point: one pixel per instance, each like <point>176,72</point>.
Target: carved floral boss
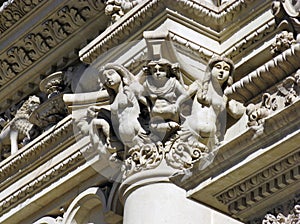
<point>155,116</point>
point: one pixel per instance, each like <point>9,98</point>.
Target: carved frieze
<point>13,11</point>
<point>286,93</point>
<point>261,185</point>
<point>49,34</point>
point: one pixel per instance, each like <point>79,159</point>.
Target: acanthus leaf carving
<point>53,32</point>
<point>36,45</point>
<point>6,72</point>
<point>13,11</point>
<point>19,58</point>
<point>257,113</point>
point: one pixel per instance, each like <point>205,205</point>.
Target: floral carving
<point>283,41</point>
<point>292,218</point>
<point>290,88</point>
<point>256,114</point>
<point>181,155</point>
<point>13,11</point>
<point>36,45</point>
<point>143,157</point>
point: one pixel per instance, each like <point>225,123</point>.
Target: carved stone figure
<point>283,41</point>
<point>257,114</point>
<point>124,109</point>
<point>19,128</point>
<point>164,91</point>
<point>204,126</point>
<point>117,8</point>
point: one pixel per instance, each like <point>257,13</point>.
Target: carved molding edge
<point>13,11</point>
<point>33,151</point>
<point>266,75</point>
<point>225,15</point>
<point>261,185</point>
<point>63,168</point>
<point>125,25</point>
<point>67,20</point>
<point>250,40</point>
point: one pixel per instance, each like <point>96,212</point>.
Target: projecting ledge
<point>252,172</point>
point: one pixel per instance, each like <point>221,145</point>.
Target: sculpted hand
<point>92,111</point>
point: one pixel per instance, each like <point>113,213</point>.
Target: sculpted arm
<point>186,94</point>
<point>235,108</point>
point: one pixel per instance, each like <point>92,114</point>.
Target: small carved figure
<point>19,128</point>
<point>204,126</point>
<point>117,8</point>
<point>257,115</point>
<point>124,108</point>
<point>163,91</point>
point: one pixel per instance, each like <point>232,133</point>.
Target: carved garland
<point>35,45</point>
<point>262,185</point>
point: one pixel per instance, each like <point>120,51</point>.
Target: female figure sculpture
<point>124,107</point>
<point>203,128</point>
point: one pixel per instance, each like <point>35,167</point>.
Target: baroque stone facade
<point>149,111</point>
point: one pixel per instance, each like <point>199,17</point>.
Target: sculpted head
<point>221,69</point>
<point>162,69</point>
<point>113,75</point>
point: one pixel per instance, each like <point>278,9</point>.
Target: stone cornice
<point>46,38</point>
<point>14,11</point>
<point>40,182</point>
<point>260,186</point>
<point>36,152</point>
<point>266,176</point>
<point>136,17</point>
<point>266,75</point>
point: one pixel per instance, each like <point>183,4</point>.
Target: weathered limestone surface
<point>149,111</point>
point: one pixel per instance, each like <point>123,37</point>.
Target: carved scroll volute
<point>287,15</point>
